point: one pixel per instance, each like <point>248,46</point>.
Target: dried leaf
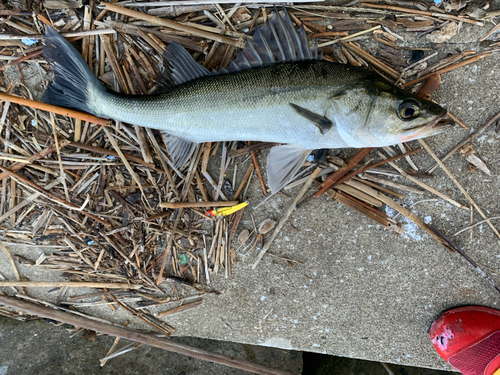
<point>444,34</point>
<point>242,15</point>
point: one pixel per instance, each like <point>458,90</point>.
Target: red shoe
<point>469,339</point>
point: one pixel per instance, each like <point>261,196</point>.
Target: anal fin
<point>283,163</point>
<point>180,149</point>
<point>323,123</point>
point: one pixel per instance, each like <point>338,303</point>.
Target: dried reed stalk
<point>335,176</point>
<point>420,12</point>
<point>349,36</point>
<point>447,69</point>
<point>464,192</point>
<point>403,211</point>
<point>173,25</point>
<point>55,109</point>
<point>69,284</point>
<point>469,138</point>
<point>423,185</point>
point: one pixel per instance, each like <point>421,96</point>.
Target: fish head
<point>377,114</point>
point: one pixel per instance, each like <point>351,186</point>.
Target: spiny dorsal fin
<point>182,66</point>
<point>276,41</point>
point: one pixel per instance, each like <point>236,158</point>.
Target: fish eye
<point>408,110</point>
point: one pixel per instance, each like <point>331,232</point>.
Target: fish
<point>278,89</point>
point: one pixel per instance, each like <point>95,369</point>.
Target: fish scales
<point>248,105</point>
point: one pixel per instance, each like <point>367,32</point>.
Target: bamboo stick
<point>12,263</point>
<point>390,183</point>
<point>371,60</point>
<point>469,138</point>
<point>21,59</point>
<point>374,165</point>
<point>209,2</point>
<point>66,35</point>
<point>245,178</point>
<point>403,211</point>
<point>458,121</point>
<point>356,205</point>
<point>377,187</point>
<point>328,34</point>
<point>257,169</point>
<point>104,151</point>
<point>87,20</point>
<point>179,309</point>
<point>113,61</point>
<point>358,195</point>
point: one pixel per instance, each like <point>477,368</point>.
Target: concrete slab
<point>363,292</point>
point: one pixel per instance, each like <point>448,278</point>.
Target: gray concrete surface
<point>363,292</point>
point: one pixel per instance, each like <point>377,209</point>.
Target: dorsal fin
<point>182,66</point>
<point>276,41</point>
<point>304,44</point>
<point>284,37</point>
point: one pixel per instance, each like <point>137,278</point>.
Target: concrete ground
<point>362,292</point>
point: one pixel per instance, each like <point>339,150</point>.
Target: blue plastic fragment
<point>29,42</point>
<point>182,258</point>
<point>310,158</point>
<point>111,157</point>
<point>91,242</point>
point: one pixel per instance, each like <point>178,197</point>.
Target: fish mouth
<point>436,126</point>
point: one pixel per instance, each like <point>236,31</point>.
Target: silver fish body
<point>255,105</point>
<point>249,105</point>
<point>276,90</point>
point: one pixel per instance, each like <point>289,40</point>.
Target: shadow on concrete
<point>321,364</point>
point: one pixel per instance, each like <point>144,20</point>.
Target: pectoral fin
<point>283,163</point>
<point>321,122</point>
<point>180,149</point>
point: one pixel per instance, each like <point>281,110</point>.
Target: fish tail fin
<point>74,85</point>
